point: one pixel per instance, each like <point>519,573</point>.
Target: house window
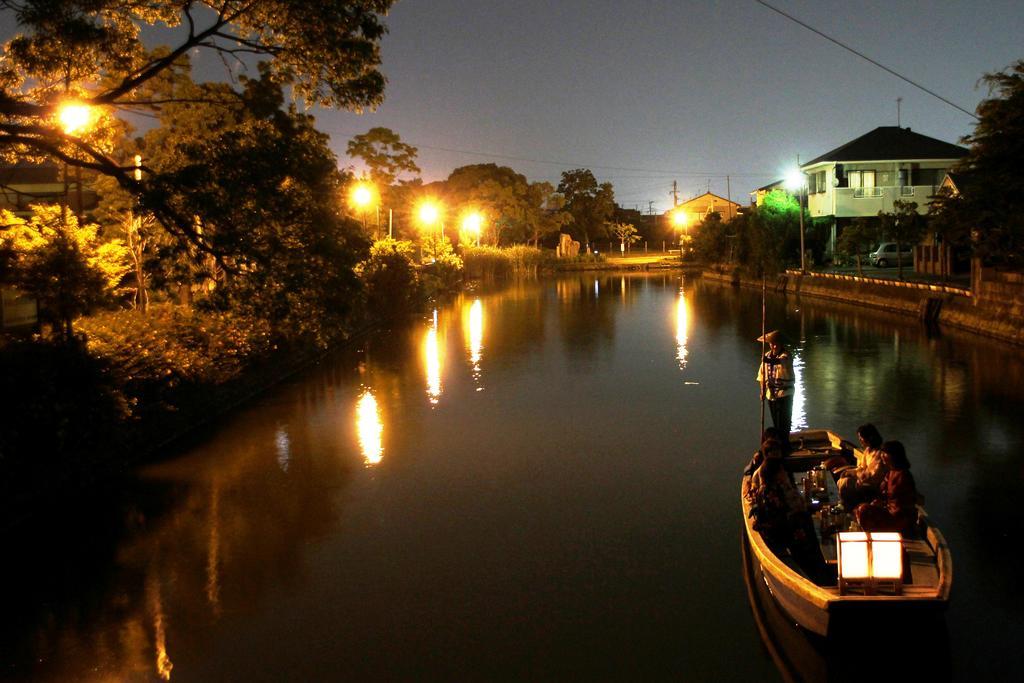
<point>862,178</point>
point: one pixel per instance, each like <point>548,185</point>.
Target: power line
<point>866,58</point>
<point>568,164</point>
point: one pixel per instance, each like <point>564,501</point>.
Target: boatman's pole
<point>764,375</point>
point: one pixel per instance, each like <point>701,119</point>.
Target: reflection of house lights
<point>369,428</point>
<point>284,450</point>
<point>682,322</point>
<point>476,335</point>
<point>596,291</point>
<point>799,414</point>
<point>433,359</point>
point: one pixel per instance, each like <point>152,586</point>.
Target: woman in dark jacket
<point>896,508</point>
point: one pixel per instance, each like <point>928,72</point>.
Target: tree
<point>384,154</point>
<point>903,225</point>
<point>499,192</point>
<point>64,265</point>
<point>544,212</point>
<point>626,233</point>
<point>590,205</point>
<point>327,50</point>
<point>857,238</point>
<point>266,191</point>
<point>989,210</point>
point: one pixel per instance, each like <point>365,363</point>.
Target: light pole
<point>679,220</point>
<point>473,223</point>
<point>430,213</point>
<point>73,117</point>
<point>361,197</point>
<point>796,180</point>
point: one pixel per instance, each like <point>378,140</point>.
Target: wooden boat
<point>814,606</point>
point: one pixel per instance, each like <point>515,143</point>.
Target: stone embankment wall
<point>994,306</point>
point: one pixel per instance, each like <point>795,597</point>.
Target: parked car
<point>886,255</point>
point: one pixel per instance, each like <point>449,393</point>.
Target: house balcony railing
<point>868,201</point>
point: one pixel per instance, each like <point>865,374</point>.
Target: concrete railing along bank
<point>993,307</point>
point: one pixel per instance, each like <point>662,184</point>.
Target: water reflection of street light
<point>797,181</point>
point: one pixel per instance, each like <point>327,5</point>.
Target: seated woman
<point>769,434</point>
<point>780,513</point>
<point>896,507</point>
<point>862,482</point>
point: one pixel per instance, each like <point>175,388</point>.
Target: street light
<point>74,116</point>
<point>797,181</point>
<point>472,223</point>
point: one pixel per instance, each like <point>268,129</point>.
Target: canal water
<point>536,482</point>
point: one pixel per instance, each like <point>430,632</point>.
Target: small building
<point>867,174</point>
<point>698,208</point>
<point>757,197</point>
<point>24,184</point>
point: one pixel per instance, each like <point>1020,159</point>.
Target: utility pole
<point>675,195</point>
<point>728,194</point>
<point>650,207</point>
<point>899,101</point>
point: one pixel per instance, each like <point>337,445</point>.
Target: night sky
<point>645,92</point>
<point>677,90</point>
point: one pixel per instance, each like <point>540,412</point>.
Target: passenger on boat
<point>769,434</point>
<point>862,482</point>
<point>777,380</point>
<point>895,509</point>
<point>781,516</point>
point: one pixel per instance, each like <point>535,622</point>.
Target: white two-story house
<point>868,174</point>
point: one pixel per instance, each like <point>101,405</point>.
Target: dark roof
<point>29,174</point>
<point>776,184</point>
<point>891,142</point>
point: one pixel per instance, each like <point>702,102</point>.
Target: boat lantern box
<point>869,559</point>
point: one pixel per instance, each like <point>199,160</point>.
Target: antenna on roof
<point>899,100</point>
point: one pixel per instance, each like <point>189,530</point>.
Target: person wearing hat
<point>777,383</point>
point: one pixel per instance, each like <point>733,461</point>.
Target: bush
<point>443,274</point>
<point>390,281</point>
<point>492,263</point>
<point>486,263</point>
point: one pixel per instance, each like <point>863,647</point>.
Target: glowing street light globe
<point>73,117</point>
<point>795,179</point>
<point>679,218</point>
<point>472,223</point>
<point>429,213</point>
<point>362,195</point>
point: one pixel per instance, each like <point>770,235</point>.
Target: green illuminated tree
<point>64,265</point>
<point>626,233</point>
